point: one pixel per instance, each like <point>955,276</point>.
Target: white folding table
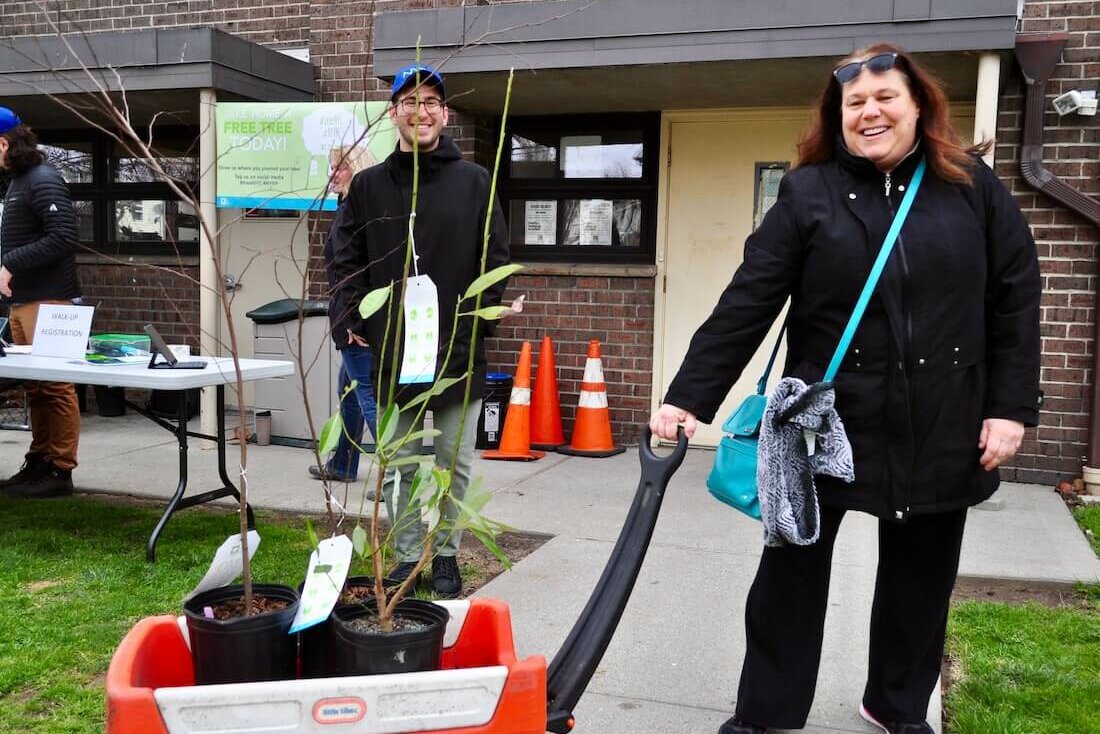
<point>218,373</point>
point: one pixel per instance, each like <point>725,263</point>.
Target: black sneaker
<point>733,726</point>
<point>323,472</point>
<point>50,481</point>
<point>895,727</point>
<point>33,464</point>
<point>446,580</point>
<point>397,576</point>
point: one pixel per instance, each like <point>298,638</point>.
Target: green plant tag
<point>328,568</point>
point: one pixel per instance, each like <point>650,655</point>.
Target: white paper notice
<point>540,223</point>
<point>62,331</point>
<point>421,331</point>
<point>328,567</point>
<point>595,221</point>
<point>227,565</point>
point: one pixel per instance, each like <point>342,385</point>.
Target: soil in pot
<point>233,648</point>
<point>416,644</point>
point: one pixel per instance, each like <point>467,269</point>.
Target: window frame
<point>103,191</point>
<point>559,189</point>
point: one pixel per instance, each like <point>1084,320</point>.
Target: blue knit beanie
<point>8,120</point>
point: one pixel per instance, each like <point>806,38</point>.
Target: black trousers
<point>785,621</point>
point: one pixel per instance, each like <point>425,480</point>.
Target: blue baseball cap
<point>8,120</point>
<point>407,77</point>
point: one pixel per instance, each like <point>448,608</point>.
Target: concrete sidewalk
<point>674,662</point>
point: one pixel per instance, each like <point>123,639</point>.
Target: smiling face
<point>341,175</point>
<point>879,117</point>
<point>423,123</point>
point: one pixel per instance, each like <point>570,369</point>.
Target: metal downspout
<point>1038,54</point>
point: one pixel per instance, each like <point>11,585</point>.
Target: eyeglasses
<point>877,64</point>
<point>411,104</point>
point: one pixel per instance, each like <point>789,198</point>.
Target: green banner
<point>274,155</point>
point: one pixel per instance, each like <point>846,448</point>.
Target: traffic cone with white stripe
<point>592,427</point>
<point>515,440</point>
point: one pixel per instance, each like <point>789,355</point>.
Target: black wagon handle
<point>572,668</point>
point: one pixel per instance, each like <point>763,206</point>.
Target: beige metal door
<point>710,187</point>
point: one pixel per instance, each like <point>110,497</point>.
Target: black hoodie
<point>369,238</point>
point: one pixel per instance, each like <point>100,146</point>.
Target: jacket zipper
<point>887,186</point>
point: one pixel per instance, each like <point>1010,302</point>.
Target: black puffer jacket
<point>951,336</point>
<point>369,239</point>
<point>38,237</point>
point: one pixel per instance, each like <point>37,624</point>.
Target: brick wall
<point>276,22</point>
<point>128,296</point>
<point>571,310</point>
<point>1067,243</point>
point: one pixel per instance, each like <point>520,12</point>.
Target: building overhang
<point>159,70</point>
<point>600,55</point>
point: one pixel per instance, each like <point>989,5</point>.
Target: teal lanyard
<point>876,271</point>
<point>868,287</point>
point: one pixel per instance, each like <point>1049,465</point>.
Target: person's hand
<point>999,441</point>
<point>354,338</point>
<point>5,281</point>
<point>668,418</point>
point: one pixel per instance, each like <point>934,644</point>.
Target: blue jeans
<point>356,410</point>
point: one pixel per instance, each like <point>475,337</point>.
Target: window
<point>582,188</point>
<point>121,206</point>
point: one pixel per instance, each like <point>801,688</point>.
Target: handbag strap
<point>876,272</point>
<point>762,383</point>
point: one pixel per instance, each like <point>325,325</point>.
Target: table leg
<point>178,501</point>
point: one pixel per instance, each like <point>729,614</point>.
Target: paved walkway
<point>674,662</point>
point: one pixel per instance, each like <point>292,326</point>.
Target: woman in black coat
<point>935,390</point>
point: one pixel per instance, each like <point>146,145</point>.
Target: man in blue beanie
<point>38,242</point>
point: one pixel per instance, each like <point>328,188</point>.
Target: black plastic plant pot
<point>317,642</point>
<point>357,652</point>
<point>242,649</point>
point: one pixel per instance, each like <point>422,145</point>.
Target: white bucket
<point>1092,479</point>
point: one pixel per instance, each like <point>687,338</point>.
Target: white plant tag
<point>421,331</point>
<point>811,441</point>
<point>227,565</point>
<point>328,567</point>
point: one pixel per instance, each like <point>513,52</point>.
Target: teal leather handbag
<point>732,479</point>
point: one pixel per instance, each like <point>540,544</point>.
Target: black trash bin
<point>494,407</point>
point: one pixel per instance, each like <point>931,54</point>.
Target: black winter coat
<point>951,336</point>
<point>369,238</point>
<point>38,237</point>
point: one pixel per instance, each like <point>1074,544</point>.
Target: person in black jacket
<point>38,241</point>
<point>371,238</point>
<point>357,408</point>
<point>940,380</point>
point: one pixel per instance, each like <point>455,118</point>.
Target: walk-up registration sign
<point>274,155</point>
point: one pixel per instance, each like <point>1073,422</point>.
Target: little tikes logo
<point>346,710</point>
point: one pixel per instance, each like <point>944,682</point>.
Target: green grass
<point>73,580</point>
<point>1089,519</point>
<point>1026,668</point>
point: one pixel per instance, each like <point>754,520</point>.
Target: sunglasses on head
<point>878,64</point>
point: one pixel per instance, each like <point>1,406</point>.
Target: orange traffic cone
<point>546,431</point>
<point>592,427</point>
<point>515,441</point>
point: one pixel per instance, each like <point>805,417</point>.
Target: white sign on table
<point>62,331</point>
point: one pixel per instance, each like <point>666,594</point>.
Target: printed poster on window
<point>595,218</point>
<point>540,223</point>
<point>276,155</point>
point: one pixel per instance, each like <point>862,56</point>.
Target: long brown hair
<point>948,158</point>
<point>23,153</point>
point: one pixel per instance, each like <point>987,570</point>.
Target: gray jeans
<point>405,519</point>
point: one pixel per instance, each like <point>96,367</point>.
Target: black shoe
<point>446,580</point>
<point>50,481</point>
<point>894,727</point>
<point>733,726</point>
<point>401,572</point>
<point>33,465</point>
<point>318,472</point>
